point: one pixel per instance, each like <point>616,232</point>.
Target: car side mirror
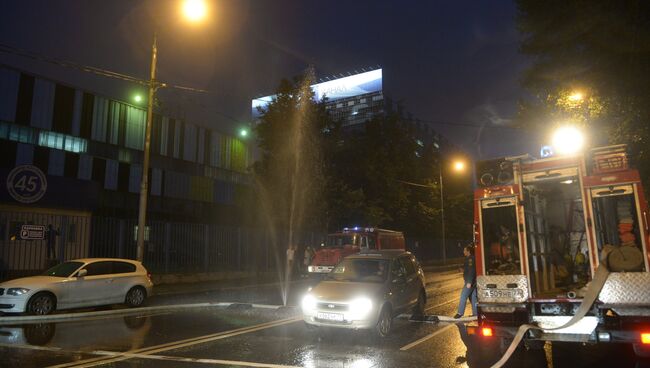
<point>82,273</point>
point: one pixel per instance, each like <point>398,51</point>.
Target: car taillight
<point>645,338</point>
<point>149,275</point>
<point>486,331</point>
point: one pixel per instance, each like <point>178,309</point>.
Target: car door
<point>411,288</point>
<point>95,288</point>
<point>123,278</point>
<point>398,284</point>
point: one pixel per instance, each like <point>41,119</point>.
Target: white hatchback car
<point>78,283</point>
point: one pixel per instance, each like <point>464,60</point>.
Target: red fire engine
<point>542,228</point>
<point>351,241</point>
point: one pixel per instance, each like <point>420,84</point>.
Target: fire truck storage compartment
<point>556,237</point>
<point>500,239</point>
<point>616,223</point>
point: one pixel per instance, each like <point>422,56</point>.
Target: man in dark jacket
<point>469,285</point>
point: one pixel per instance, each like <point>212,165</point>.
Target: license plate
<point>330,316</point>
<point>503,293</point>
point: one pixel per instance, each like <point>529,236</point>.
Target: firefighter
<point>469,285</point>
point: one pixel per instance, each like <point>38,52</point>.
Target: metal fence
<point>169,247</point>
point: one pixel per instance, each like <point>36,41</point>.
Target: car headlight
<point>17,291</point>
<point>308,303</point>
<point>360,307</point>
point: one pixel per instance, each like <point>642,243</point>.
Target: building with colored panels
<point>90,148</point>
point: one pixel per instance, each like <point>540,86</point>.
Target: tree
<point>590,66</point>
<point>290,174</point>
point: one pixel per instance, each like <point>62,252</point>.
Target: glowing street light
<point>567,140</point>
<point>137,98</point>
<point>243,133</point>
<point>194,10</point>
<point>459,166</point>
<point>576,96</point>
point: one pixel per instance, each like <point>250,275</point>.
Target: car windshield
<point>64,269</point>
<point>341,240</point>
<point>360,270</point>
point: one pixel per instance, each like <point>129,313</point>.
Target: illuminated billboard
<point>336,89</point>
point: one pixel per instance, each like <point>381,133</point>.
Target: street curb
<point>131,311</point>
<point>227,288</point>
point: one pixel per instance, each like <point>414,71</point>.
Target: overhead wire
<point>90,69</point>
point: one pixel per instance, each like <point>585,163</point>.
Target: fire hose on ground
<point>591,294</point>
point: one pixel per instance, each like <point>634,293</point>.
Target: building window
<point>25,98</point>
<point>71,166</point>
<point>61,141</point>
<point>63,109</point>
<point>99,169</point>
<point>123,172</point>
<point>41,158</point>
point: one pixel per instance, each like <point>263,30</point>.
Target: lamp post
<point>457,166</point>
<point>194,10</point>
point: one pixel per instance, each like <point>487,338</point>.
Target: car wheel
<point>420,305</point>
<point>384,323</point>
<point>41,304</point>
<point>135,297</point>
<point>641,351</point>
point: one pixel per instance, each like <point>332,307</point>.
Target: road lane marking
<point>441,304</point>
<point>427,337</point>
<point>177,344</point>
<point>200,360</point>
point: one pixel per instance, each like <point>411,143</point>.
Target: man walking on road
<point>469,285</point>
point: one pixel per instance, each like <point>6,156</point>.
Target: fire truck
<point>542,227</point>
<point>350,241</point>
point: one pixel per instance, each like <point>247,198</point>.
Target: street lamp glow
<point>137,98</point>
<point>576,96</point>
<point>243,133</point>
<point>194,10</point>
<point>567,140</point>
<point>459,166</point>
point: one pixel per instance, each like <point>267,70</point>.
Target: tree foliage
<point>599,49</point>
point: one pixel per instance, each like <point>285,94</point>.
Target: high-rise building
<point>355,99</point>
<point>352,100</point>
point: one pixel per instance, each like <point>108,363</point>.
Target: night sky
<point>454,62</point>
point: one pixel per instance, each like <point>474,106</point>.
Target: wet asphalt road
<point>234,337</point>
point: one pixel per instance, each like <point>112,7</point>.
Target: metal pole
<point>144,184</point>
<point>442,219</point>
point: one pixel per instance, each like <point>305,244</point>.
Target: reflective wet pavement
<point>230,337</point>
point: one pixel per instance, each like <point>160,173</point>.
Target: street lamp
<point>567,140</point>
<point>194,10</point>
<point>458,166</point>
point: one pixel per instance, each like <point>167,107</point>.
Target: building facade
<point>90,151</point>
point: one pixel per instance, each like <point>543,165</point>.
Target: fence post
<point>168,235</point>
<point>239,249</point>
<point>206,242</point>
<point>62,238</point>
<point>120,240</point>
